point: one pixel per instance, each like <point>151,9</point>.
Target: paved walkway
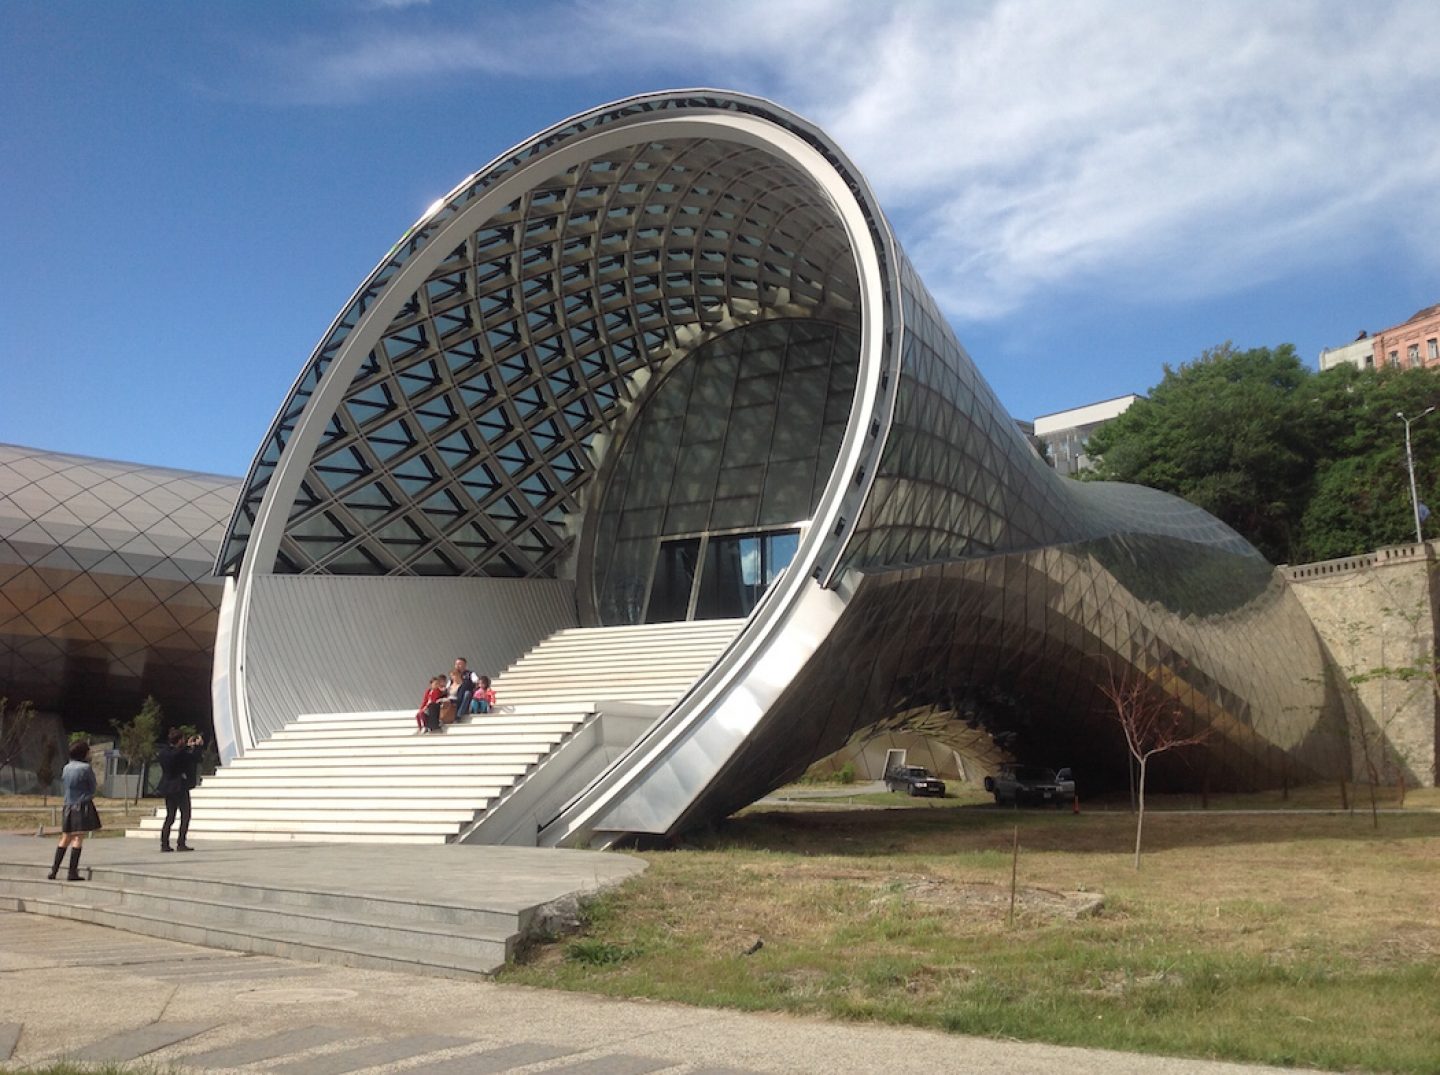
<point>501,878</point>
<point>91,993</point>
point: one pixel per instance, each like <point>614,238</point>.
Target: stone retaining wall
<point>1376,615</point>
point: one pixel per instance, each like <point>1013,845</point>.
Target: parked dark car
<point>1015,784</point>
<point>913,780</point>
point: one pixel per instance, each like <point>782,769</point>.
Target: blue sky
<point>190,191</point>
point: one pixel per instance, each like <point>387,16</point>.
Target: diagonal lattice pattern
<point>105,580</point>
<point>464,443</point>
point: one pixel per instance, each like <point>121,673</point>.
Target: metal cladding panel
<point>106,593</point>
<point>326,644</point>
<point>1004,657</point>
<point>957,479</point>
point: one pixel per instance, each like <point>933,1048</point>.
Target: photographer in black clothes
<point>179,760</point>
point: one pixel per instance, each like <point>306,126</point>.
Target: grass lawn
<point>22,814</point>
<point>1284,938</point>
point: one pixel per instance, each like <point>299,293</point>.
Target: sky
<point>190,191</point>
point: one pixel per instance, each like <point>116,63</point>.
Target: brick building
<point>1413,343</point>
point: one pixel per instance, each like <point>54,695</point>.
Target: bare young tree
<point>15,727</point>
<point>1152,724</point>
<point>45,768</point>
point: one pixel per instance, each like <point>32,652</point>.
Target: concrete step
<point>669,627</point>
<point>389,732</point>
<point>360,936</point>
<point>591,695</point>
<point>435,911</point>
<point>411,742</point>
<point>461,755</point>
<point>477,724</point>
<point>276,836</point>
<point>401,716</point>
<point>614,659</point>
<point>647,633</point>
<point>216,790</point>
<point>360,770</point>
<point>380,777</point>
<point>220,826</point>
<point>408,816</point>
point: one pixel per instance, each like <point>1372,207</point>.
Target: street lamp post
<point>1410,465</point>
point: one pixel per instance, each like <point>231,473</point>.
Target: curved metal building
<point>666,361</point>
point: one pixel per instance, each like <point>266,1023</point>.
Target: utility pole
<point>1410,465</point>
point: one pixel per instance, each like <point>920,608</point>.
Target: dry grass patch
<point>23,815</point>
<point>1277,938</point>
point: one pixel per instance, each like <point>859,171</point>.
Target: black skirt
<point>81,817</point>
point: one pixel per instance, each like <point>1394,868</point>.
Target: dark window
<point>738,569</point>
<point>674,579</point>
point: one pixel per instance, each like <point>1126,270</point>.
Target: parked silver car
<point>1015,784</point>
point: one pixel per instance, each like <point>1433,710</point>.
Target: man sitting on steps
<point>468,682</point>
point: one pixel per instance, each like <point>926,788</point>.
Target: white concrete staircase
<point>368,778</point>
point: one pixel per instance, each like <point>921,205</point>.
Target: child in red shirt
<point>427,717</point>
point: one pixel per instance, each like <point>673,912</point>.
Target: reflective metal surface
<point>106,592</point>
<point>678,324</point>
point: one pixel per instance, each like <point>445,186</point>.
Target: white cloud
<point>1027,144</point>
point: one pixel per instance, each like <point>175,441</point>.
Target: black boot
<point>59,854</point>
<point>75,865</point>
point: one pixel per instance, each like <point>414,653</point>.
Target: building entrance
<point>720,472</point>
<point>717,576</point>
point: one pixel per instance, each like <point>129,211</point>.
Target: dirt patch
<point>1120,983</point>
<point>992,899</point>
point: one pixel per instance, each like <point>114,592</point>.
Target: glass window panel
<point>682,517</point>
<point>779,550</point>
<point>674,579</point>
<point>739,511</point>
<point>787,492</point>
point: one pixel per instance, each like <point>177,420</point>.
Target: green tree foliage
<point>139,738</point>
<point>1361,497</point>
<point>1306,466</point>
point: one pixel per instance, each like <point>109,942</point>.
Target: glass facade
<point>106,591</point>
<point>741,435</point>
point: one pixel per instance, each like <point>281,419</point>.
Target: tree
<point>1223,431</point>
<point>1152,723</point>
<point>45,768</point>
<point>1305,466</point>
<point>139,738</point>
<point>1361,494</point>
<point>15,727</point>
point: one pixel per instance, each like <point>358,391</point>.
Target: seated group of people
<point>454,698</point>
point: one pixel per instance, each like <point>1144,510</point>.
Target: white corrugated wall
<point>331,644</point>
